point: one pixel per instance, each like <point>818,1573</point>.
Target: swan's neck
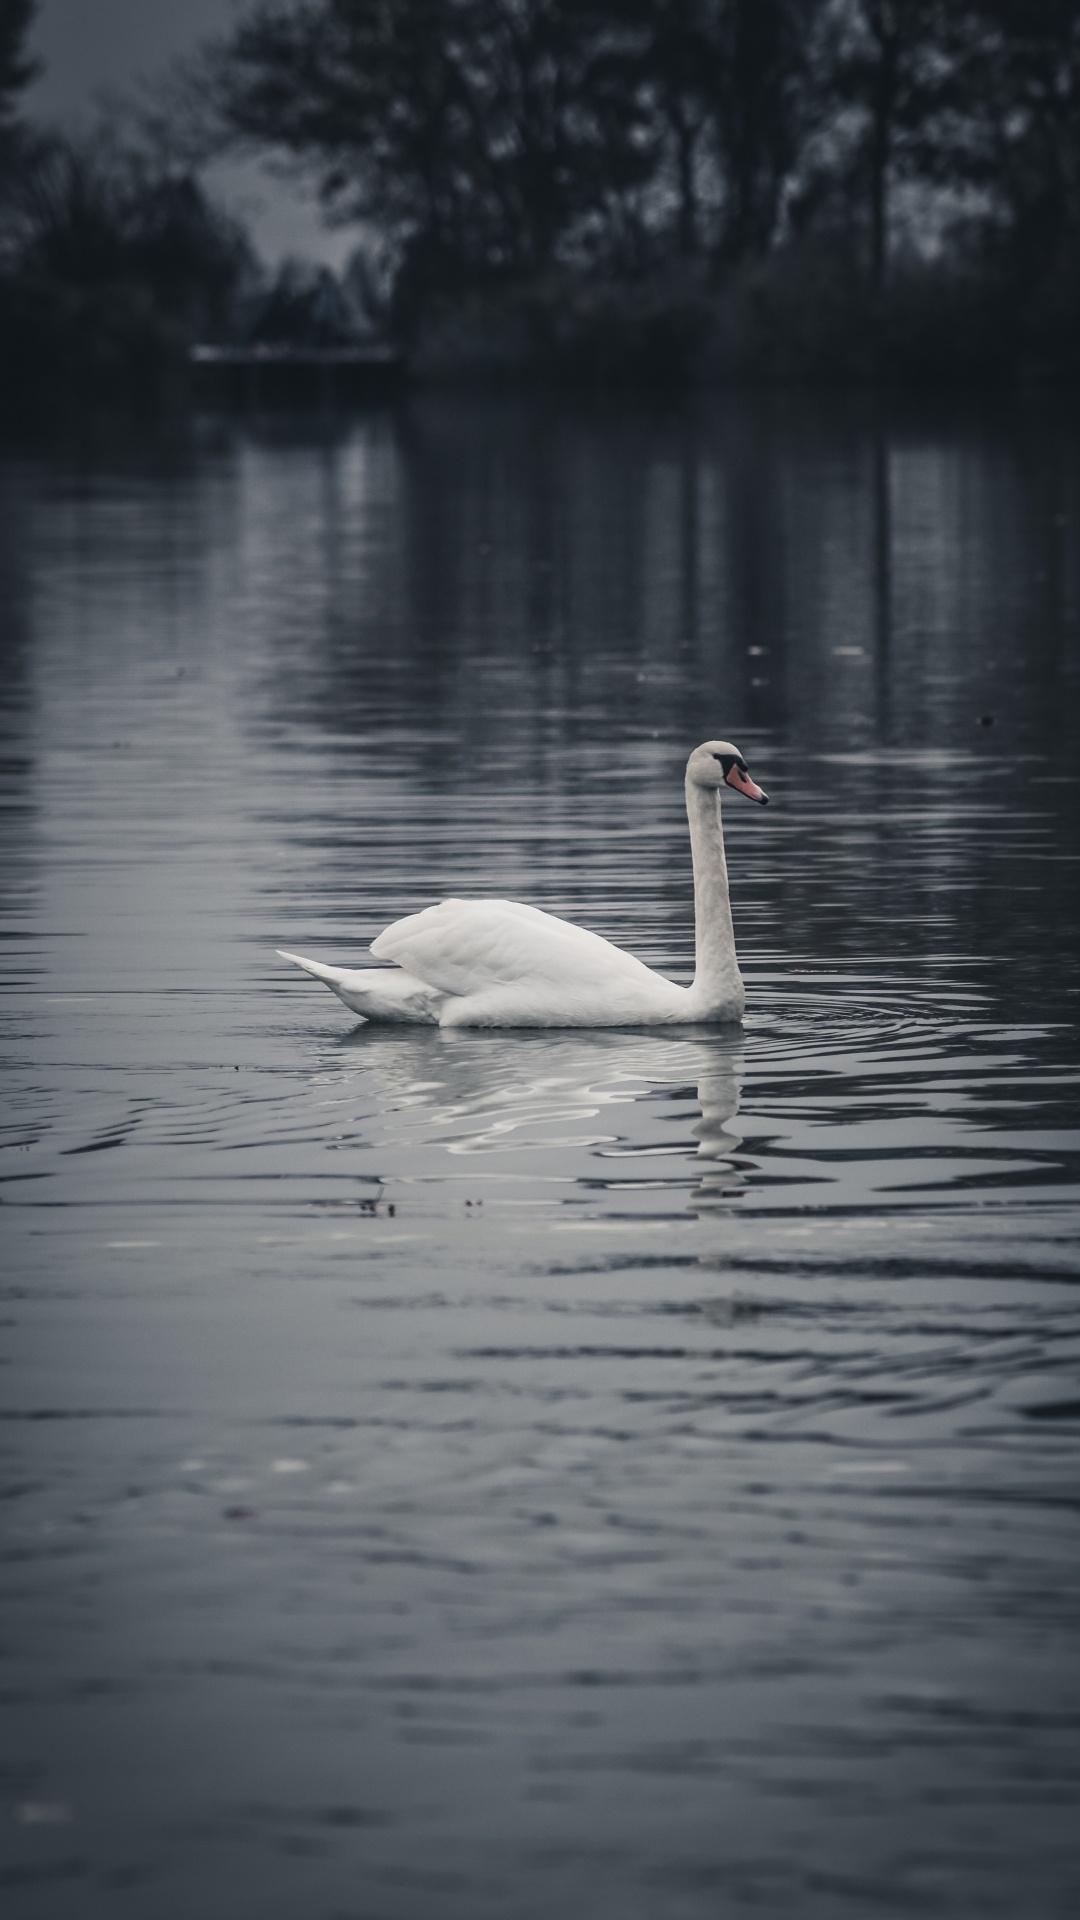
<point>717,981</point>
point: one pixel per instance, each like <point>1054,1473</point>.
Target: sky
<point>87,45</point>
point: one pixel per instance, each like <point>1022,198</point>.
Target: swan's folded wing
<point>468,946</point>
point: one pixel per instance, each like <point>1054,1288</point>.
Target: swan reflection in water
<point>536,1093</point>
<point>719,1086</point>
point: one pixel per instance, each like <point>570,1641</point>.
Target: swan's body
<point>497,963</point>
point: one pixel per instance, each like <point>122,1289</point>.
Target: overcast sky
<point>90,44</point>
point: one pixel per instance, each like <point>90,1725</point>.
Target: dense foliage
<point>614,169</point>
<point>665,188</point>
<point>112,258</point>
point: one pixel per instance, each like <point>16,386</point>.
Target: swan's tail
<point>334,976</point>
<point>376,993</point>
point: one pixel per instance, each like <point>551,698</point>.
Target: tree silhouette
<point>898,63</point>
<point>644,184</point>
<point>723,79</point>
<point>479,133</point>
<point>756,98</point>
<point>1025,72</point>
<point>17,68</point>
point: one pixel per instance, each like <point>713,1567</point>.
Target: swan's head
<point>718,764</point>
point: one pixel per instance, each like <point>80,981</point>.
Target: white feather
<point>377,993</point>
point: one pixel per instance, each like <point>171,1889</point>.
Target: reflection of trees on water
<point>19,849</point>
<point>509,568</point>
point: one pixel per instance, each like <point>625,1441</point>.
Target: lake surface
<point>627,1475</point>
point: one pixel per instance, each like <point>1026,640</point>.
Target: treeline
<point>112,263</point>
<point>112,256</point>
<point>841,187</point>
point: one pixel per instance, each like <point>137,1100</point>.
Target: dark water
<point>623,1475</point>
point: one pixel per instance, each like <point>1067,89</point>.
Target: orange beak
<point>743,784</point>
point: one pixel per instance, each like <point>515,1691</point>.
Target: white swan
<point>497,963</point>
